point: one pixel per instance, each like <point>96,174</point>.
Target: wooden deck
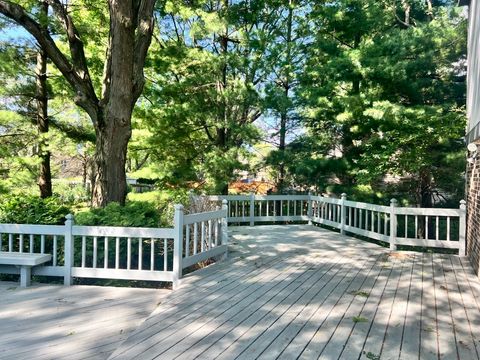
<point>77,322</point>
<point>301,292</point>
<point>296,292</point>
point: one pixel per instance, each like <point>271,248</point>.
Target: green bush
<point>134,213</point>
<point>29,209</point>
<point>74,194</point>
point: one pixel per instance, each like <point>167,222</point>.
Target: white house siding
<point>473,79</point>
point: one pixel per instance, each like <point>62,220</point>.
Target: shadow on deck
<point>76,322</point>
<point>305,292</point>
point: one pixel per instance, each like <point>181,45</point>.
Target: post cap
<point>69,217</point>
<point>224,202</point>
<point>178,207</point>
<point>393,201</point>
<point>463,204</point>
<point>344,195</point>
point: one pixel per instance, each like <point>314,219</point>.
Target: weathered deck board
<point>224,335</point>
<point>78,322</point>
<point>292,292</point>
<point>360,330</point>
<point>412,328</point>
<point>286,292</point>
<point>394,333</point>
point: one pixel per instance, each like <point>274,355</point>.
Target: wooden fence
<point>120,252</point>
<point>431,228</point>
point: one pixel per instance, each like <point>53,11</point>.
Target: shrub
<point>29,209</point>
<point>134,213</point>
<point>71,193</point>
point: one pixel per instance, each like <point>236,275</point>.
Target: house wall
<point>473,214</point>
<point>473,135</point>
<point>473,76</point>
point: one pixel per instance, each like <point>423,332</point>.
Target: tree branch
<point>12,134</point>
<point>143,38</point>
<point>74,41</point>
<point>78,133</point>
<point>83,87</point>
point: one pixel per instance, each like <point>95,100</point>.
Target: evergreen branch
<point>78,133</point>
<point>12,134</point>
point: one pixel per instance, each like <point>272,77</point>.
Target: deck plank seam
<point>292,281</point>
<point>325,272</point>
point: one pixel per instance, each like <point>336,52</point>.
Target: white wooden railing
<point>432,227</point>
<point>120,252</point>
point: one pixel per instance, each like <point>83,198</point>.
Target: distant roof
<point>463,2</point>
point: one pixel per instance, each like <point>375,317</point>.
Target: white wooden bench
<point>25,261</point>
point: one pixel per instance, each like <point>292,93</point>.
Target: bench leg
<point>25,276</point>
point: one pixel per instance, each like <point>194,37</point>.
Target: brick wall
<point>473,213</point>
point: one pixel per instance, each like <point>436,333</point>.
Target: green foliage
<point>137,214</point>
<point>74,194</point>
<point>151,209</point>
<point>163,201</point>
<point>18,209</point>
<point>383,102</point>
<point>208,92</point>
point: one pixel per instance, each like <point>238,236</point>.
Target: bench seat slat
<point>26,259</point>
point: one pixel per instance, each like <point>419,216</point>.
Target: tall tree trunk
<point>45,175</point>
<point>424,200</point>
<point>286,91</point>
<point>110,183</point>
<point>113,125</point>
<point>221,185</point>
<point>131,29</point>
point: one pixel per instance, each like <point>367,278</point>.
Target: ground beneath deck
<point>304,292</point>
<point>77,322</point>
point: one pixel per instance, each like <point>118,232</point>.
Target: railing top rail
<point>227,197</point>
<point>367,206</point>
<point>324,199</point>
<point>32,229</point>
<point>114,231</point>
<point>205,216</point>
<point>281,197</point>
<point>257,197</point>
<point>427,211</point>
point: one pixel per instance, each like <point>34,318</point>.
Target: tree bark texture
<point>286,83</point>
<point>131,29</point>
<point>45,175</point>
<point>221,185</point>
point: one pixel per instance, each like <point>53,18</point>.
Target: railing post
<point>177,245</point>
<point>309,208</point>
<point>252,209</point>
<point>225,226</point>
<point>393,224</point>
<point>343,214</point>
<point>68,251</point>
<point>462,229</point>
